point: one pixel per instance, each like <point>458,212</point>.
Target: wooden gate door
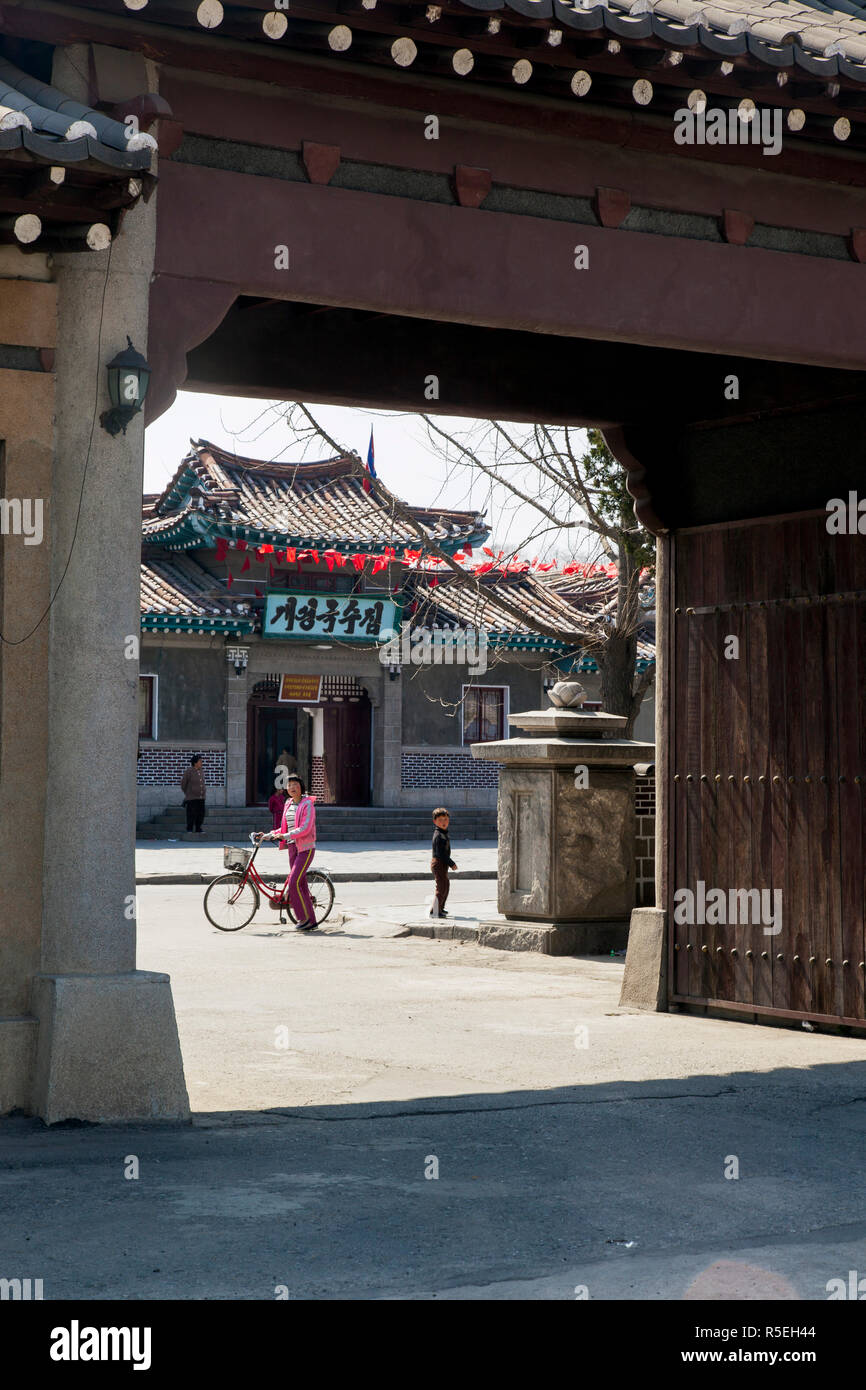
<point>767,770</point>
<point>347,751</point>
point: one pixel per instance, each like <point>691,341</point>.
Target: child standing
<point>441,860</point>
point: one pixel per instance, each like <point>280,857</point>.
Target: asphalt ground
<point>385,1117</point>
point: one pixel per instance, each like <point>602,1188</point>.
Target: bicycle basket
<point>236,858</point>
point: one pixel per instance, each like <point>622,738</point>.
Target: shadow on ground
<point>618,1190</point>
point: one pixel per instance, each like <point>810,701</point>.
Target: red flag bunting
<point>359,562</point>
<point>246,564</point>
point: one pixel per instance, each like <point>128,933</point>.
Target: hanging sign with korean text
<point>340,617</point>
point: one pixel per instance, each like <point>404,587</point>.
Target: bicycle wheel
<point>322,893</point>
<point>228,909</point>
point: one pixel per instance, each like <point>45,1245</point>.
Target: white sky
<point>405,460</point>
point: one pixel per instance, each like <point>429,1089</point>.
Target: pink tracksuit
<point>301,844</point>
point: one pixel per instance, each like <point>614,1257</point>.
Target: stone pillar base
<point>548,938</point>
<point>107,1049</point>
<point>644,984</point>
<point>17,1049</point>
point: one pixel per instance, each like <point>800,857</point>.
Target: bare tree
<point>556,482</point>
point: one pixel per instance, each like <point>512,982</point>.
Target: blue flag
<point>371,462</point>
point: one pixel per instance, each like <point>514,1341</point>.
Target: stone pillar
<point>566,827</point>
<point>237,695</point>
<point>27,318</point>
<point>107,1042</point>
<point>390,739</point>
<point>373,686</point>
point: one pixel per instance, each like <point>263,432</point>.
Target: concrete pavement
<point>578,1146</point>
<point>178,862</point>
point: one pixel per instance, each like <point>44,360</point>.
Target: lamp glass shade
<point>128,379</point>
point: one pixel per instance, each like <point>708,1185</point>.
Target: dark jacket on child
<point>441,852</point>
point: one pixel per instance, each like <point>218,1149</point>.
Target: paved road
<point>346,859</point>
<point>560,1165</point>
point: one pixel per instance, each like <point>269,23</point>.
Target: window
<point>483,713</point>
<point>147,707</point>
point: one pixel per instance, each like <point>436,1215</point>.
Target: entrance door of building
<point>273,729</point>
<point>347,751</point>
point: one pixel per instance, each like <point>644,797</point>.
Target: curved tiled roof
<point>181,594</point>
<point>820,39</point>
<point>218,494</point>
<point>575,613</point>
<point>51,126</point>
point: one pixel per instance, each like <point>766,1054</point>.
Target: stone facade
<point>82,1033</point>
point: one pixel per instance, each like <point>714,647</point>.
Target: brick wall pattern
<point>319,782</point>
<point>164,767</point>
<point>442,770</point>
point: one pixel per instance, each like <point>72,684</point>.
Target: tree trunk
<point>616,663</point>
<point>617,657</point>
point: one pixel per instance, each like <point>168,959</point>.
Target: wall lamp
<point>238,656</point>
<point>128,379</point>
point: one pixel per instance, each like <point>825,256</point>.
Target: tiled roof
<point>807,34</point>
<point>811,37</point>
<point>576,610</point>
<point>216,494</point>
<point>43,121</point>
<point>180,595</point>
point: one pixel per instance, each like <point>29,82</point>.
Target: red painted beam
<point>391,255</point>
<point>584,148</point>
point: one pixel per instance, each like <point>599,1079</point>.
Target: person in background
<point>287,764</point>
<point>300,840</point>
<point>192,784</point>
<point>441,861</point>
<point>276,804</point>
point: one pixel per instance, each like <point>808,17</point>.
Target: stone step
<point>334,823</point>
<point>252,818</point>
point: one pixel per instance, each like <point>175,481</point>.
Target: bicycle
<point>232,900</point>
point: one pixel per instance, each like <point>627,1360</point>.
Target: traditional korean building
<point>269,593</point>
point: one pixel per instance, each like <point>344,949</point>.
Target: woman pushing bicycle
<point>300,840</point>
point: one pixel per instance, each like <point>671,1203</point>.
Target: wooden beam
<point>25,228</point>
<point>44,183</point>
